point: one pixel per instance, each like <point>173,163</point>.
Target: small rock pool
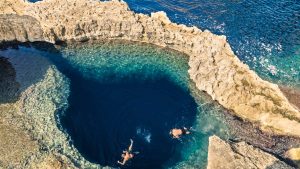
<point>121,91</point>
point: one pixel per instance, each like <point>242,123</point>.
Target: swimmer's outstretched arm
<point>131,144</point>
<point>122,163</point>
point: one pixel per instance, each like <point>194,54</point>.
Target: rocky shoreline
<point>241,155</point>
<point>213,66</point>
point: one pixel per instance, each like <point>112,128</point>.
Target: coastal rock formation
<point>240,155</point>
<point>292,95</point>
<point>19,28</point>
<point>294,154</point>
<point>213,66</point>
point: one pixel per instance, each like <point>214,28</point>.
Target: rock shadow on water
<point>103,117</point>
<point>21,66</point>
<point>8,85</point>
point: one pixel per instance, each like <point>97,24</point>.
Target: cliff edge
<point>226,155</point>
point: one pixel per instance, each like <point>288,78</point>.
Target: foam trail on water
<point>144,133</point>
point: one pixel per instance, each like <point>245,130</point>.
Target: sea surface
<point>264,34</point>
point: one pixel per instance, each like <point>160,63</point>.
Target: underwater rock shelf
<point>213,67</point>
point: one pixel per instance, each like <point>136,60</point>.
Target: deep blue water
<point>251,26</point>
<point>262,33</point>
<point>121,92</point>
<point>103,117</point>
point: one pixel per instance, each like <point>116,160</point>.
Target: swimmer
<point>127,154</point>
<point>177,133</point>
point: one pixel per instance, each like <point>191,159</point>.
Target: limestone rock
<point>19,28</point>
<point>240,156</point>
<point>213,66</point>
<point>12,7</point>
<point>294,154</point>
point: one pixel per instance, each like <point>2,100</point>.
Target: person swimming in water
<point>177,133</point>
<point>127,154</point>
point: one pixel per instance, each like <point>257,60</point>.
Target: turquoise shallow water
<point>120,91</point>
<point>118,64</point>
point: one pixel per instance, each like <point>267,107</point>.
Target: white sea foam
<point>144,133</point>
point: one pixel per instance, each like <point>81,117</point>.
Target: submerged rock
<point>213,66</point>
<point>28,124</point>
<point>240,155</point>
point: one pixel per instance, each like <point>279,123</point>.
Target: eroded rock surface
<point>213,66</point>
<point>19,28</point>
<point>240,156</point>
<point>293,95</point>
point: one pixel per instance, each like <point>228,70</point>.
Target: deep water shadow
<point>103,116</point>
<point>28,64</point>
<point>8,85</point>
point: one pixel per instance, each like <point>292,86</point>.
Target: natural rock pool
<point>115,102</point>
<point>120,91</point>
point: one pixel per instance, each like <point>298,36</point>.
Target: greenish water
<point>120,91</point>
<point>284,70</point>
<point>115,63</point>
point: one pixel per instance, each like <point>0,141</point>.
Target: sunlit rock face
<point>19,28</point>
<point>232,155</point>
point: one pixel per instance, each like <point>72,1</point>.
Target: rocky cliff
<point>19,28</point>
<point>239,155</point>
<point>213,66</point>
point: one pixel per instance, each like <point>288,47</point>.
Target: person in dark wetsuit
<point>177,133</point>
